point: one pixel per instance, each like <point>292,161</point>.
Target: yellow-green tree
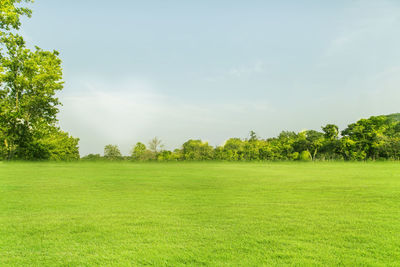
<point>29,81</point>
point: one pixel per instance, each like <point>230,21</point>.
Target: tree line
<point>375,138</point>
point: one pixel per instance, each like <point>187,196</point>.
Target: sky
<point>212,70</point>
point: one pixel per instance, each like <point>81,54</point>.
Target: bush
<point>305,156</point>
<point>92,157</point>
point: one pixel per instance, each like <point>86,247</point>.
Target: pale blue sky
<point>218,69</point>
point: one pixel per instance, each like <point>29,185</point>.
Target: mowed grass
<point>214,214</point>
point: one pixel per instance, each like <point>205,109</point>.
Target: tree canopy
<point>29,81</point>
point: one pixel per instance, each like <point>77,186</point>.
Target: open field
<point>172,214</point>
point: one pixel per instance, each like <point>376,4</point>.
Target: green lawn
<point>215,214</point>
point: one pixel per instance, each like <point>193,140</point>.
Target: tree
<point>366,135</point>
<point>29,81</point>
<point>233,149</point>
<point>60,145</point>
<point>314,142</point>
<point>10,14</point>
<point>138,151</point>
<point>283,146</point>
<point>112,152</point>
<point>253,136</point>
<point>331,145</point>
<point>331,132</point>
<point>197,150</point>
<point>155,145</point>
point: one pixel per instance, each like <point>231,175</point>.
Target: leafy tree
<point>59,145</point>
<point>389,148</point>
<point>112,152</point>
<point>233,149</point>
<point>350,149</point>
<point>10,14</point>
<point>283,146</point>
<point>268,150</point>
<point>366,135</point>
<point>29,81</point>
<point>166,155</point>
<point>331,145</point>
<point>140,152</point>
<point>252,149</point>
<point>314,141</point>
<point>331,132</point>
<point>197,150</point>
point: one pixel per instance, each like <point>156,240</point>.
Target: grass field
<point>215,214</point>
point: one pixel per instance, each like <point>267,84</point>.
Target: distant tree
<point>253,136</point>
<point>389,148</point>
<point>252,149</point>
<point>366,134</point>
<point>155,145</point>
<point>268,150</point>
<point>112,152</point>
<point>284,146</point>
<point>139,151</point>
<point>331,132</point>
<point>331,145</point>
<point>315,141</point>
<point>350,149</point>
<point>177,154</point>
<point>166,155</point>
<point>233,149</point>
<point>197,150</point>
